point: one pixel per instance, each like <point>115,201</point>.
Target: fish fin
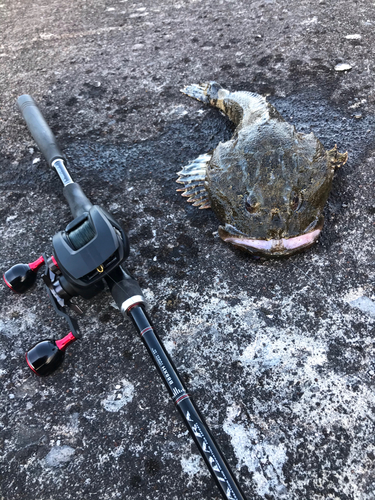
<point>241,107</point>
<point>193,176</point>
<point>248,107</point>
<point>203,92</point>
<point>337,159</point>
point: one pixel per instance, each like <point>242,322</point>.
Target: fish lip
<point>272,247</point>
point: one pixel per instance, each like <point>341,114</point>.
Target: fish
<point>268,184</point>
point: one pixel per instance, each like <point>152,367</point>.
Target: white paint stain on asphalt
<point>264,459</point>
<point>118,398</point>
<point>59,455</point>
<point>365,304</point>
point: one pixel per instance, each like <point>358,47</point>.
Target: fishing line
<point>82,235</point>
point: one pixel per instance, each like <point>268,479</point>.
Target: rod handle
<point>124,289</point>
<point>39,128</point>
<point>77,200</point>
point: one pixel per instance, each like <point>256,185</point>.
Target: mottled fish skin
<point>268,185</point>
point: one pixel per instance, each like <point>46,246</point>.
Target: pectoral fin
<point>193,177</point>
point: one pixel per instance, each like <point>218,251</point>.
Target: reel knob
<point>21,277</point>
<point>46,356</point>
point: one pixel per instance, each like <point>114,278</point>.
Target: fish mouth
<point>272,247</point>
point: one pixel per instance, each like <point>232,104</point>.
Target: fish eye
<point>295,201</point>
<point>252,206</point>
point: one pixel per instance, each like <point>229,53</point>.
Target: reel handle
<point>39,129</point>
<point>46,356</point>
<point>21,277</point>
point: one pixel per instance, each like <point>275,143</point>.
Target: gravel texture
<point>279,354</point>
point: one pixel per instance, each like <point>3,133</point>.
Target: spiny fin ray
<point>198,92</point>
<point>192,176</point>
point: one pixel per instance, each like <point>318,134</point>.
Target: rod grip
<point>77,200</point>
<point>39,128</point>
<point>123,287</point>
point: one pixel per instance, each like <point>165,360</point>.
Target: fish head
<point>270,196</point>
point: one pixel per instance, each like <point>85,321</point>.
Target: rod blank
<point>194,421</point>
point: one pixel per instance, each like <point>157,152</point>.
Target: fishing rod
<point>86,256</point>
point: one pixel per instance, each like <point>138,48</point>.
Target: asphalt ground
<point>278,354</point>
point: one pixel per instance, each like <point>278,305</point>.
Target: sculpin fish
<point>268,184</point>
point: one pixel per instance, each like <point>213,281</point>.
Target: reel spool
<point>81,236</point>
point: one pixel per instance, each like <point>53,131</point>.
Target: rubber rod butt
<point>39,128</point>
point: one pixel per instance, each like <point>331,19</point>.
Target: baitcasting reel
<point>92,247</point>
<point>86,256</point>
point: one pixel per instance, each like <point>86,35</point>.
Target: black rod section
<point>194,421</point>
<point>43,136</point>
<point>39,129</point>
